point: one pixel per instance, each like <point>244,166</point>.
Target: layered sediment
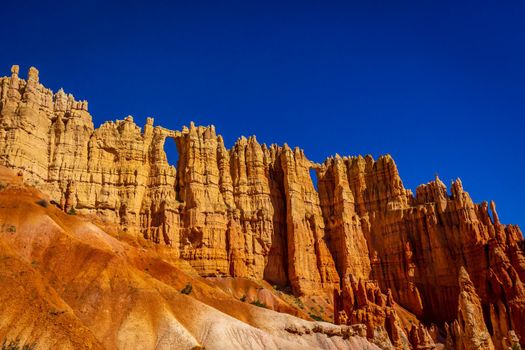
<point>253,211</point>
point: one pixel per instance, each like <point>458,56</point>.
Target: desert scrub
<point>282,289</point>
<point>299,303</point>
<point>72,211</point>
<point>316,317</point>
<point>243,298</point>
<point>187,290</point>
<point>56,312</point>
<point>15,345</point>
<point>259,303</point>
<point>42,202</point>
<point>11,228</point>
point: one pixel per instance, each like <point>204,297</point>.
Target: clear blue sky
<point>437,84</point>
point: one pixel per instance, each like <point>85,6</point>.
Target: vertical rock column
<point>160,210</point>
<point>469,330</point>
<point>381,202</point>
<point>256,231</point>
<point>343,226</point>
<point>25,123</point>
<point>69,137</point>
<point>204,218</point>
<point>311,265</point>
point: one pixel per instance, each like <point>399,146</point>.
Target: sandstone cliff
<point>67,284</point>
<point>253,211</point>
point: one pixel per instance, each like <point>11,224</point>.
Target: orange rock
<point>253,210</point>
<point>469,330</point>
<point>420,338</point>
<point>67,284</point>
<point>376,311</point>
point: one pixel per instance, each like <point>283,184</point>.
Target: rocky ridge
<point>253,211</point>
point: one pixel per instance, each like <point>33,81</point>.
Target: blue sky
<point>437,84</point>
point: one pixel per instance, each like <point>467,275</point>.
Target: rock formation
<point>469,331</point>
<point>67,284</point>
<point>253,210</point>
<point>361,302</point>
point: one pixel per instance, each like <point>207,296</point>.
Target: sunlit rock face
<point>253,211</point>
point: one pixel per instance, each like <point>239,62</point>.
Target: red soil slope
<point>67,284</point>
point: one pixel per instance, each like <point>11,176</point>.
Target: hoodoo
<point>411,268</point>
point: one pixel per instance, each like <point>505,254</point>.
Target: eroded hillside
<point>361,247</point>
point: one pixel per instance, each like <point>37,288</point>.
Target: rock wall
<point>469,331</point>
<point>253,210</point>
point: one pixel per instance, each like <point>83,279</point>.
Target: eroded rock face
<point>469,331</point>
<point>253,210</point>
<point>363,302</point>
